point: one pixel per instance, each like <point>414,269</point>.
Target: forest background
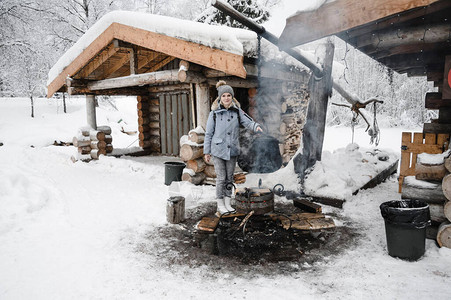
<point>35,33</point>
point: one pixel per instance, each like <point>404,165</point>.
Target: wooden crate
<point>422,143</point>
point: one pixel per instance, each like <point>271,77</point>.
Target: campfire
<point>259,231</point>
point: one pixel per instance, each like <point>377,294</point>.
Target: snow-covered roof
<point>233,40</point>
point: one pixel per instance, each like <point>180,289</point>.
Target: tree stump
<point>175,210</point>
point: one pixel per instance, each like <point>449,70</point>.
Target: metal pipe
<point>236,15</point>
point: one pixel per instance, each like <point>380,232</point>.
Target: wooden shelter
<point>173,79</point>
<point>411,37</point>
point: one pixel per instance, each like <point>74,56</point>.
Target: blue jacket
<point>223,130</point>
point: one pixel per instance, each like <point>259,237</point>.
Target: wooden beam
<point>191,77</point>
<point>161,64</point>
<point>80,61</point>
<point>202,104</point>
<point>313,132</point>
<point>212,58</point>
<point>134,91</point>
<point>436,128</point>
<point>435,101</point>
<point>403,61</point>
<point>235,82</point>
<point>169,88</point>
<point>97,62</point>
<point>117,65</point>
<point>341,15</point>
<point>134,60</point>
<point>394,37</point>
<point>396,19</point>
<point>134,80</point>
<point>203,55</point>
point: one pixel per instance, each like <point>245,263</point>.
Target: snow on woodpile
<point>341,173</point>
<point>433,159</point>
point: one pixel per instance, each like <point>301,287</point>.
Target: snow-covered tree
<point>256,10</point>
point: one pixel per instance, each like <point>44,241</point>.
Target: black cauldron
<point>266,154</point>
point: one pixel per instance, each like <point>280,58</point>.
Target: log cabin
<point>172,66</point>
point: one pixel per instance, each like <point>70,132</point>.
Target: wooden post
<point>175,210</point>
<point>91,111</point>
<point>313,133</point>
<point>202,104</point>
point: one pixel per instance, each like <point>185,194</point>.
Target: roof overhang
<point>101,49</point>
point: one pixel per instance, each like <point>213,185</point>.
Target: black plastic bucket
<point>405,227</point>
<point>173,171</point>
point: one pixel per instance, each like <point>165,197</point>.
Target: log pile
<point>92,143</point>
<point>149,123</point>
<point>294,110</point>
<point>197,170</point>
<point>438,195</point>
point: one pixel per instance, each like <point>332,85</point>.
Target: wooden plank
<point>418,140</point>
<point>80,61</point>
<point>309,224</point>
<point>174,121</point>
<point>168,118</point>
<point>208,224</point>
<point>97,61</point>
<point>307,205</point>
<point>435,101</point>
<point>381,177</point>
<point>436,128</point>
<point>329,201</point>
<point>406,140</point>
<point>185,114</point>
<point>341,15</point>
<point>217,59</point>
<point>164,143</point>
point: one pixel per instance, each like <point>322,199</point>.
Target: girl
<point>222,141</point>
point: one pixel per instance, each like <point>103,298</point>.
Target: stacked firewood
<point>435,171</point>
<point>192,153</point>
<point>93,143</point>
<point>197,170</point>
<point>444,230</point>
<point>149,123</point>
<point>293,108</point>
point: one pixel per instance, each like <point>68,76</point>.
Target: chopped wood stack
<point>149,123</point>
<point>294,110</point>
<point>197,170</point>
<point>192,152</point>
<point>438,196</point>
<point>93,143</point>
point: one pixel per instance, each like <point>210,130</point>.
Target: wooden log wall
<point>149,123</point>
<point>93,143</point>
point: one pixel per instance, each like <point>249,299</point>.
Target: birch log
<point>188,152</point>
<point>446,186</point>
<point>444,235</point>
<point>175,210</point>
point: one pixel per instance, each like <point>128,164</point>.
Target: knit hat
<point>222,88</point>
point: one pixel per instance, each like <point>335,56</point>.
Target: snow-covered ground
<point>96,230</point>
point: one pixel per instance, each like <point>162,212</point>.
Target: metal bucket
<point>261,201</point>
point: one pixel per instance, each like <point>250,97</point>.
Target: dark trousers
<point>224,176</point>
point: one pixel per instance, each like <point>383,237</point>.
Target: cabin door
<point>175,120</point>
